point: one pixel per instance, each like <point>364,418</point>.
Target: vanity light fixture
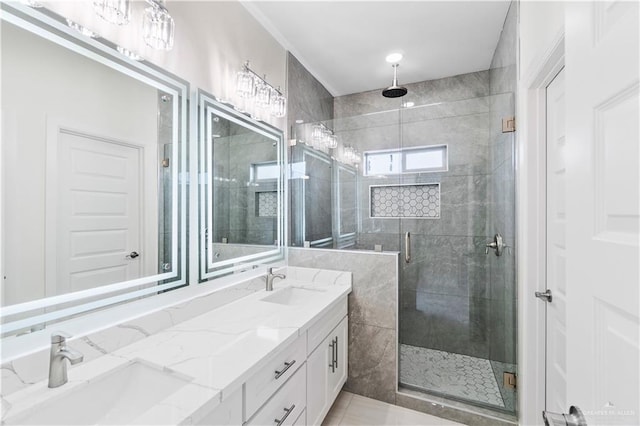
<point>158,27</point>
<point>116,12</point>
<point>250,86</point>
<point>323,138</point>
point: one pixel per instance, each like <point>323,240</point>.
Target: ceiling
<point>344,43</point>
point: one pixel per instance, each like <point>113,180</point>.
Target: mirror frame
<point>36,313</point>
<point>209,105</point>
<point>348,239</point>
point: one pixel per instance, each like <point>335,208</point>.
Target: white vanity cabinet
<point>286,407</point>
<point>326,369</point>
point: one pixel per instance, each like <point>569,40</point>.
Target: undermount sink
<point>116,398</point>
<point>292,296</point>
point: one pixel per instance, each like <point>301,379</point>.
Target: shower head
<point>394,91</point>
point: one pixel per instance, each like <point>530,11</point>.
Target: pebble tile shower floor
<point>456,375</point>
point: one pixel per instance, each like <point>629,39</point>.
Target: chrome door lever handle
<point>546,295</point>
<point>132,255</point>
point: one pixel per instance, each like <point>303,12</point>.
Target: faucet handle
<point>59,337</point>
<point>270,270</point>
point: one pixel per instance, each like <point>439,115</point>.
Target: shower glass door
<point>457,304</point>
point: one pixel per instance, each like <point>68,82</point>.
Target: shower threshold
<point>458,377</point>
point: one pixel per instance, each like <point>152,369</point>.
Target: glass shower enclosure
<point>437,184</point>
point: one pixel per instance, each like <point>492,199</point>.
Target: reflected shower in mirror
<point>242,198</point>
<point>323,198</point>
<point>91,154</point>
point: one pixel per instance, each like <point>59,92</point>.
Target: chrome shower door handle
<point>407,247</point>
<point>497,244</point>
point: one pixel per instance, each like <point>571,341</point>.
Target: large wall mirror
<point>93,148</point>
<point>242,190</point>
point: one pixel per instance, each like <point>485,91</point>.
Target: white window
<point>421,159</point>
<point>265,171</point>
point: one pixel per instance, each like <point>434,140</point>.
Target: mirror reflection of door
<point>98,213</point>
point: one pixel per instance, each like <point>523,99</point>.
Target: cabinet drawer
<point>287,405</point>
<point>265,382</point>
<point>325,324</point>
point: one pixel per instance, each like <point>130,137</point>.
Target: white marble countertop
<point>217,351</point>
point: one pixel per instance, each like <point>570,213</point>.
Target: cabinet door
<point>338,374</point>
<point>317,376</point>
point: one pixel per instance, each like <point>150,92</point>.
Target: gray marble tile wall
<point>372,316</point>
<point>308,101</point>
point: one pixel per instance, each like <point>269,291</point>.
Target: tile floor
<point>452,374</point>
<point>351,409</point>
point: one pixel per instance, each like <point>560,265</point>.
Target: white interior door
<point>556,281</point>
<point>98,212</point>
<point>603,214</point>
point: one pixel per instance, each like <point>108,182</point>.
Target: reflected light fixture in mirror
<point>158,26</point>
<point>116,12</point>
<point>250,86</point>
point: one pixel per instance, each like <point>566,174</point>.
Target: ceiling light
<point>394,58</point>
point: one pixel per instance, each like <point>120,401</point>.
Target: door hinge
<point>165,162</point>
<point>509,380</point>
<point>508,124</point>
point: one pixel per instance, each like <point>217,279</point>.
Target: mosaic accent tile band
<point>396,201</point>
<point>457,375</point>
<point>267,203</point>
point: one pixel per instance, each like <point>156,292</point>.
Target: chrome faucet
<point>59,353</point>
<point>271,276</point>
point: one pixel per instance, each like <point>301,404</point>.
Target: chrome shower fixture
<point>394,91</point>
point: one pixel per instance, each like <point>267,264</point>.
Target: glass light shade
<point>332,141</point>
<point>245,84</point>
<point>317,132</point>
<point>263,95</point>
<point>116,12</point>
<point>158,28</point>
<point>279,106</point>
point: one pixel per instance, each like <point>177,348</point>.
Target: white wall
<point>541,33</point>
<point>540,24</point>
<point>43,82</point>
<point>212,41</point>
